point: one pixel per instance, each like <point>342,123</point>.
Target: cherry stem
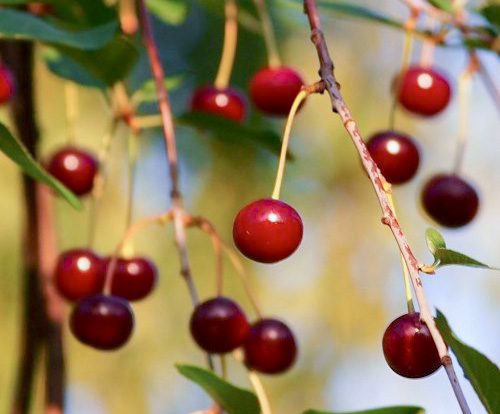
<point>428,47</point>
<point>229,45</point>
<point>129,22</point>
<point>284,145</point>
<point>326,72</point>
<point>268,33</point>
<point>488,82</point>
<point>72,110</point>
<point>133,141</point>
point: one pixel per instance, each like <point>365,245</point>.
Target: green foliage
<point>18,153</point>
<point>385,410</point>
<point>147,91</point>
<point>483,374</point>
<point>444,5</point>
<point>232,399</point>
<point>168,11</point>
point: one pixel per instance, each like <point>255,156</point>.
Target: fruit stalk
<point>379,184</point>
<point>268,33</point>
<point>229,46</point>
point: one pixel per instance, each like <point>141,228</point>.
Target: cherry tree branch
<point>382,188</point>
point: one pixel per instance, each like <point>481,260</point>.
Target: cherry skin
<point>270,347</point>
<point>228,102</point>
<point>395,154</point>
<point>8,85</point>
<point>409,348</point>
<point>102,322</point>
<point>450,200</point>
<point>134,278</point>
<point>75,168</point>
<point>424,91</point>
<point>218,325</point>
<point>40,9</point>
<point>79,273</point>
<point>273,90</point>
<point>267,230</point>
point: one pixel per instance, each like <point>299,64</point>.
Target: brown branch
<point>381,188</point>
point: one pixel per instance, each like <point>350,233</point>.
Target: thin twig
<point>380,186</point>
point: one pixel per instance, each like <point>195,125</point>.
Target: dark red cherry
<point>218,325</point>
<point>267,230</point>
<point>450,200</point>
<point>409,348</point>
<point>396,154</point>
<point>270,347</point>
<point>75,168</point>
<point>273,90</point>
<point>228,102</point>
<point>79,273</point>
<point>103,322</point>
<point>8,85</point>
<point>424,91</point>
<point>40,9</point>
<point>134,278</point>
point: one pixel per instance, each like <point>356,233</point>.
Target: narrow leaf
<point>18,153</point>
<point>169,11</point>
<point>444,5</point>
<point>147,92</point>
<point>434,240</point>
<point>448,257</point>
<point>386,410</point>
<point>232,399</point>
<point>492,14</point>
<point>483,374</point>
<point>225,129</point>
<point>16,24</point>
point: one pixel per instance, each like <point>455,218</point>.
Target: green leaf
<point>147,91</point>
<point>16,24</point>
<point>492,14</point>
<point>18,153</point>
<point>483,374</point>
<point>434,240</point>
<point>225,129</point>
<point>169,11</point>
<point>386,410</point>
<point>444,5</point>
<point>232,399</point>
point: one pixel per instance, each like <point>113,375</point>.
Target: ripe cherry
<point>79,273</point>
<point>450,200</point>
<point>273,90</point>
<point>228,103</point>
<point>409,348</point>
<point>134,278</point>
<point>8,85</point>
<point>395,154</point>
<point>424,91</point>
<point>270,347</point>
<point>40,9</point>
<point>218,325</point>
<point>267,230</point>
<point>75,168</point>
<point>103,322</point>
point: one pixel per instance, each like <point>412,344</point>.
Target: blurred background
<point>341,288</point>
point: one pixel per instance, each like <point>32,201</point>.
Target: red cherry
<point>270,347</point>
<point>228,102</point>
<point>424,91</point>
<point>273,90</point>
<point>218,325</point>
<point>409,348</point>
<point>450,200</point>
<point>79,273</point>
<point>134,278</point>
<point>102,322</point>
<point>267,230</point>
<point>8,85</point>
<point>75,168</point>
<point>396,154</point>
<point>40,9</point>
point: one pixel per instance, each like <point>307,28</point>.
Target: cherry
<point>409,348</point>
<point>395,154</point>
<point>450,200</point>
<point>103,322</point>
<point>79,273</point>
<point>424,91</point>
<point>8,85</point>
<point>75,168</point>
<point>270,347</point>
<point>218,325</point>
<point>273,90</point>
<point>267,230</point>
<point>134,278</point>
<point>227,102</point>
<point>40,9</point>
